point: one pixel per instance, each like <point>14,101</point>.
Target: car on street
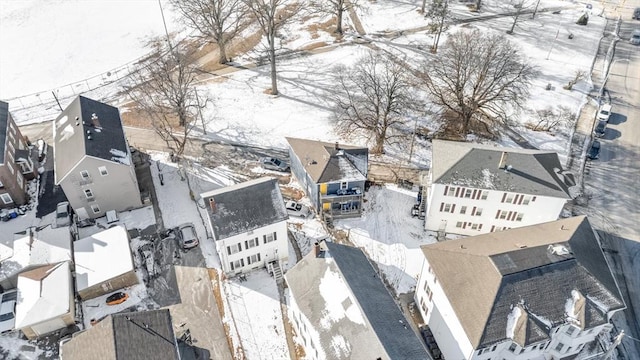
<point>604,113</point>
<point>63,217</point>
<point>594,150</point>
<point>600,128</point>
<point>296,209</point>
<point>635,37</point>
<point>275,164</point>
<point>117,298</point>
<point>8,311</point>
<point>636,14</point>
<point>187,236</point>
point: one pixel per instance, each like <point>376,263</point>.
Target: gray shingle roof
<point>532,172</point>
<point>126,336</point>
<point>383,333</point>
<point>102,138</point>
<point>4,123</point>
<point>243,207</point>
<point>326,163</point>
<point>485,276</point>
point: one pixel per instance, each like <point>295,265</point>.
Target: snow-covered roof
<point>538,268</point>
<point>535,172</point>
<point>340,293</point>
<point>88,128</point>
<point>244,207</point>
<point>328,162</point>
<point>44,293</point>
<point>34,247</point>
<point>102,256</point>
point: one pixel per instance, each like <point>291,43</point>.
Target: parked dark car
<point>600,128</point>
<point>117,298</point>
<point>636,14</point>
<point>594,151</point>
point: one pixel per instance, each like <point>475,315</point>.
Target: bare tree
<point>164,89</point>
<point>375,99</point>
<point>577,76</point>
<point>550,119</point>
<point>477,78</point>
<point>272,15</point>
<point>520,6</point>
<point>217,20</point>
<point>439,15</point>
<point>335,8</point>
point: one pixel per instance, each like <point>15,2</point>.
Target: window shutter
<point>264,238</point>
<point>504,196</point>
<point>248,260</point>
<point>441,206</point>
<point>241,262</point>
<point>231,263</point>
<point>474,194</point>
<point>453,208</point>
<point>275,237</point>
<point>446,188</point>
<point>497,214</point>
<point>457,192</point>
<point>246,244</point>
<point>229,252</point>
<point>258,256</point>
<point>239,246</point>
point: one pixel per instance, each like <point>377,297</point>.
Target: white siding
<point>542,209</point>
<point>268,252</point>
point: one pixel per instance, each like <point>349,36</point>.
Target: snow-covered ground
<point>242,112</point>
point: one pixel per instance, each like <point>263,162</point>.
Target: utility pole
<point>535,10</point>
<point>613,346</point>
<point>165,26</point>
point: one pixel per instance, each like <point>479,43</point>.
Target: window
<point>237,264</point>
<point>233,249</point>
<point>493,348</point>
<point>474,226</point>
<point>526,200</point>
<point>559,347</point>
<point>269,237</point>
<point>103,170</point>
<point>484,195</point>
<point>503,214</point>
<point>343,185</point>
<point>452,191</point>
<point>84,174</point>
<point>251,243</point>
<point>253,259</point>
<point>88,193</point>
<point>1,186</point>
<point>450,208</point>
<point>519,217</point>
<point>459,224</point>
<point>6,198</point>
<point>509,198</point>
<point>429,292</point>
<point>19,178</point>
<point>95,208</point>
<point>571,330</point>
<point>463,210</point>
<point>512,347</point>
<point>467,193</point>
<point>10,168</point>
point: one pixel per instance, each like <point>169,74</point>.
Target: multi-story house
<point>16,166</point>
<point>475,189</point>
<point>340,309</point>
<point>332,175</point>
<point>249,225</point>
<point>537,292</point>
<point>92,159</point>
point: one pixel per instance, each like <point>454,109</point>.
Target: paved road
<point>612,183</point>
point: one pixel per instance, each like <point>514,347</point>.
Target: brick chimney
<point>316,249</point>
<point>503,160</point>
<point>212,204</point>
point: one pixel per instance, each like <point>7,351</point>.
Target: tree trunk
<point>272,60</point>
<point>378,147</point>
<point>339,20</point>
<point>478,4</point>
<point>424,6</point>
<point>222,48</point>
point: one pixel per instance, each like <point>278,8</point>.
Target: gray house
<point>16,167</point>
<point>92,159</point>
<point>138,335</point>
<point>332,175</point>
<point>341,309</point>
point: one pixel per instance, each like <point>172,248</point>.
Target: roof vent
<point>337,146</point>
<point>94,120</point>
<point>312,162</point>
<point>508,168</point>
<point>212,204</point>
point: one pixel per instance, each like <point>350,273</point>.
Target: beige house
<point>93,163</point>
<point>15,164</point>
<point>45,300</point>
<point>104,263</point>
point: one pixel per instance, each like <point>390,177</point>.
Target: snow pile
<point>120,156</point>
<point>512,321</point>
<point>570,305</point>
<point>340,346</point>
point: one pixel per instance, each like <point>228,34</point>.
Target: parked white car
<point>187,236</point>
<point>8,311</point>
<point>635,37</point>
<point>62,214</point>
<point>297,209</point>
<point>604,113</point>
<point>274,164</point>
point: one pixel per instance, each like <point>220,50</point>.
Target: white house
<point>104,263</point>
<point>45,300</point>
<point>249,225</point>
<point>537,292</point>
<point>340,309</point>
<point>30,249</point>
<point>93,163</point>
<point>475,189</point>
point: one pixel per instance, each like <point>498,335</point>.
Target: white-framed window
<point>269,237</point>
<point>11,154</point>
<point>467,193</point>
<point>88,193</point>
<point>484,195</point>
<point>248,244</point>
<point>509,198</point>
<point>478,212</point>
<point>6,198</point>
<point>11,168</point>
<point>1,185</point>
<point>459,224</point>
<point>452,191</point>
<point>474,226</point>
<point>519,217</point>
<point>253,259</point>
<point>513,347</point>
<point>343,185</point>
<point>84,174</point>
<point>234,249</point>
<point>503,215</point>
<point>237,264</point>
<point>463,210</point>
<point>95,208</point>
<point>571,330</point>
<point>19,179</point>
<point>559,347</point>
<point>526,200</point>
<point>103,170</point>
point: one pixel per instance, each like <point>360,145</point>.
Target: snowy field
<point>243,113</point>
